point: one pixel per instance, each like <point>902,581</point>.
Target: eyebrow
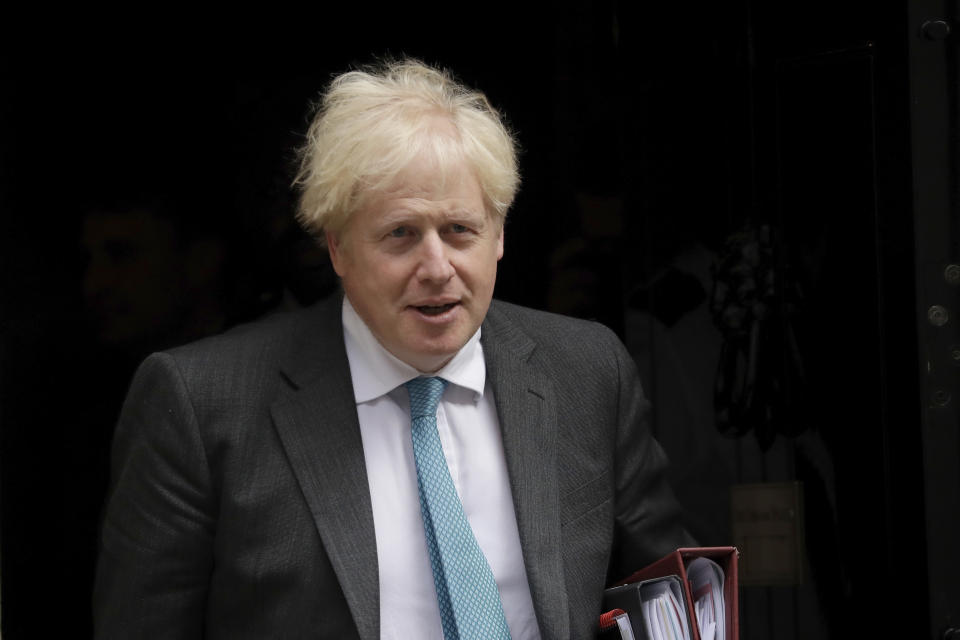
<point>405,214</point>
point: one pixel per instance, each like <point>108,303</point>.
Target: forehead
<point>133,224</point>
<point>428,186</point>
<point>431,173</point>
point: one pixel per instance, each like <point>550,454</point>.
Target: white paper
<point>708,632</point>
<point>664,615</point>
<point>680,613</point>
<point>706,584</point>
<point>649,620</point>
<point>662,627</point>
<point>623,624</point>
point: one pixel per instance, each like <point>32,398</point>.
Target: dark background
<point>654,139</point>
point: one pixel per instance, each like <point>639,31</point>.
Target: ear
<point>335,251</point>
<point>500,244</point>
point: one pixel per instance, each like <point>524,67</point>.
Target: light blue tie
<point>470,607</point>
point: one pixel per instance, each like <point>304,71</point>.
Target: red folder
<point>675,564</point>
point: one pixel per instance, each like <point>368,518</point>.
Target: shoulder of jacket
<point>541,325</point>
<point>264,340</point>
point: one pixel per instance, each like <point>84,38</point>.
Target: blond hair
<point>372,124</point>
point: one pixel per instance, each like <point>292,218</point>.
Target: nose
<point>434,261</point>
<point>96,276</point>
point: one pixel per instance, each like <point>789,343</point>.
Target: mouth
<point>435,310</point>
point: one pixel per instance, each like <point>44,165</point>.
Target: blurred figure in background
<point>153,277</point>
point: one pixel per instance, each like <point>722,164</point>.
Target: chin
<point>431,356</point>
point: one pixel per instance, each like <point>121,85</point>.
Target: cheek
<point>385,279</point>
<point>492,263</point>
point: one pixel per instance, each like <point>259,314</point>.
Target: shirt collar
<point>376,372</point>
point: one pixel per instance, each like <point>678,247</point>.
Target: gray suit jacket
<point>240,506</point>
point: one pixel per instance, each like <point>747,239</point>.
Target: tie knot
<point>425,395</point>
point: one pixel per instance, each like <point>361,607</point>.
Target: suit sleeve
<point>157,539</point>
<point>647,515</point>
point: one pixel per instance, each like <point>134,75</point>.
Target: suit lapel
<point>526,408</point>
<point>317,423</point>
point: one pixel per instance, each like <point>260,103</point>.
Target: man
<point>285,479</point>
<point>152,280</point>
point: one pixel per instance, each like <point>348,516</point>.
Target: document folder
<point>657,608</point>
<point>676,564</point>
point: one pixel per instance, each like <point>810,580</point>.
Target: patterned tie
<point>470,607</point>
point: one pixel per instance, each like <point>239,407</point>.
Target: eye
<point>399,232</point>
<point>459,228</point>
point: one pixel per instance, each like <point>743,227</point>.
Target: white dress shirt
<point>470,437</point>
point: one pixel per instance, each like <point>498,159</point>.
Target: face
<point>418,263</point>
<point>132,256</point>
